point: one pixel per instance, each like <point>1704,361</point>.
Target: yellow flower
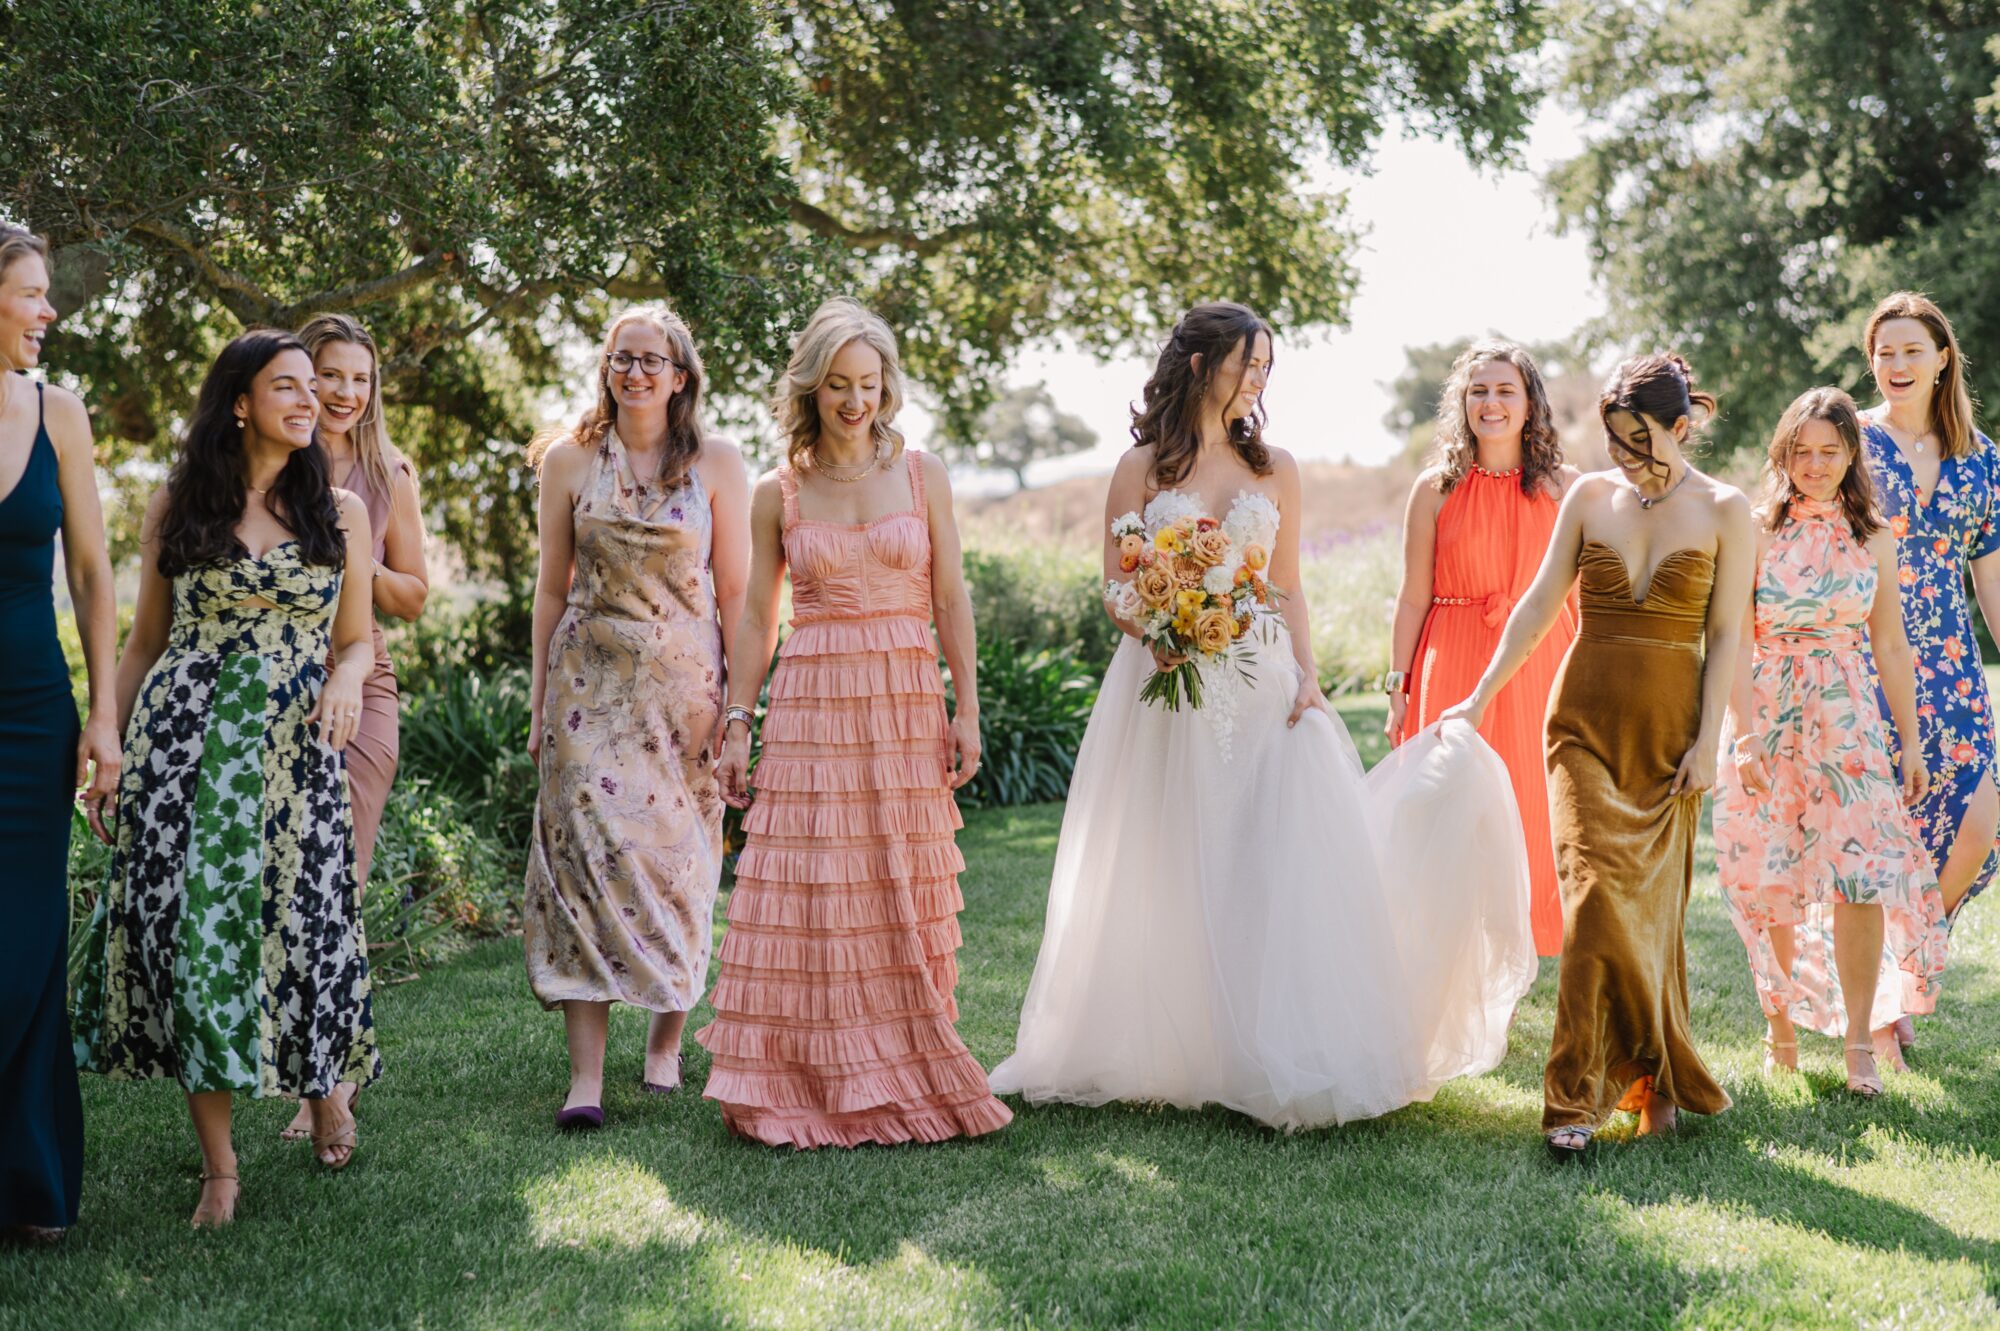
<point>1170,540</point>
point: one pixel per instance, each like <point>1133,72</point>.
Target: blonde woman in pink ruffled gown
<point>1826,878</point>
<point>834,1006</point>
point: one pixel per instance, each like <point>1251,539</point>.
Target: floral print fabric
<point>1937,536</point>
<point>1833,827</point>
<point>627,849</point>
<point>227,949</point>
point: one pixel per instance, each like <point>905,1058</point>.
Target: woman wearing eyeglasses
<point>645,541</point>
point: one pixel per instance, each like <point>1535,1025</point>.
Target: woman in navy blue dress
<point>1937,479</point>
<point>47,485</point>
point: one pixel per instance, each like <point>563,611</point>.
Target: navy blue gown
<point>41,1117</point>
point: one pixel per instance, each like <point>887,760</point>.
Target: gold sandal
<point>1773,1062</point>
<point>349,1136</point>
<point>215,1220</point>
<point>1866,1085</point>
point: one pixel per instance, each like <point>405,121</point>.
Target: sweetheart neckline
<point>1625,570</point>
<point>1242,494</point>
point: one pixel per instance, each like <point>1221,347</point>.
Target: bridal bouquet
<point>1195,587</point>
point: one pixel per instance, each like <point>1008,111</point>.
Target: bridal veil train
<point>1241,916</point>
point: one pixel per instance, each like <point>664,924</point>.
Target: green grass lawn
<point>1799,1207</point>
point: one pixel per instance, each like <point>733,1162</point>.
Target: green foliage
<point>1033,707</point>
<point>1037,596</point>
<point>480,183</point>
<point>1761,172</point>
<point>1350,584</point>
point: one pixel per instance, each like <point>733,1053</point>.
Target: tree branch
<point>825,225</point>
<point>421,273</point>
<point>243,297</point>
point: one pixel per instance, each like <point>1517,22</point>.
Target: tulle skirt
<point>1252,921</point>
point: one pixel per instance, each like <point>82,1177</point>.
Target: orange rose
<point>1255,556</point>
<point>1208,548</point>
<point>1156,586</point>
<point>1212,630</point>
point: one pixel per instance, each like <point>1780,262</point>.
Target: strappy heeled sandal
<point>1906,1032</point>
<point>1773,1062</point>
<point>1868,1085</point>
<point>215,1220</point>
<point>662,1087</point>
<point>349,1136</point>
<point>1567,1151</point>
<point>291,1133</point>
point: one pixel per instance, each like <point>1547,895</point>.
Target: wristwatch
<point>1396,681</point>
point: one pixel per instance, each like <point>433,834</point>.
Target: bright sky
<point>1447,251</point>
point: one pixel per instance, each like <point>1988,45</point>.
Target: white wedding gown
<point>1240,916</point>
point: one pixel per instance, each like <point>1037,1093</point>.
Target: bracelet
<point>738,712</point>
<point>1396,681</point>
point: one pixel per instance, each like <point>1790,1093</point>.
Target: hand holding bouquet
<point>1194,590</point>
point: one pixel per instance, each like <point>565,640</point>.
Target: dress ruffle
<point>834,1006</point>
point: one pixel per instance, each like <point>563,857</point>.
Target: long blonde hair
<point>1456,450</point>
<point>1951,400</point>
<point>370,432</point>
<point>684,431</point>
<point>833,325</point>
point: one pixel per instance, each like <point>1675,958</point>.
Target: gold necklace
<point>881,456</point>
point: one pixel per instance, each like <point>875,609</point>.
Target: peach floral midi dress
<point>1833,827</point>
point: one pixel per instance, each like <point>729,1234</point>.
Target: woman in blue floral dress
<point>1938,479</point>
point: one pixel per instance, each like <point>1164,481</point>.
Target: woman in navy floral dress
<point>1938,480</point>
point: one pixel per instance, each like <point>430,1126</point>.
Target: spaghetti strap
<point>788,486</point>
<point>913,462</point>
<point>41,409</point>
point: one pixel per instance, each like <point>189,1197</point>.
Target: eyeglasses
<point>650,363</point>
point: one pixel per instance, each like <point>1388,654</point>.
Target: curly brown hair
<point>1456,451</point>
<point>1169,414</point>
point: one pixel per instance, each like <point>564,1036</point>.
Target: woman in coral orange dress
<point>1477,526</point>
<point>835,1009</point>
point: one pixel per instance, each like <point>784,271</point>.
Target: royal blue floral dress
<point>1935,542</point>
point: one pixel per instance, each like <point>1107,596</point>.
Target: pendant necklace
<point>1648,504</point>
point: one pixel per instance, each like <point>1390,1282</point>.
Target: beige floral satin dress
<point>627,848</point>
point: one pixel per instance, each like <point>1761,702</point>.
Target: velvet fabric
<point>1625,710</point>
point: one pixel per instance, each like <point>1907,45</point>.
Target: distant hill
<point>1338,497</point>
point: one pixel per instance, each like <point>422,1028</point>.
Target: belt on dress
<point>1497,605</point>
<point>1810,643</point>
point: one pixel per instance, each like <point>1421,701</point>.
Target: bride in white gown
<point>1239,916</point>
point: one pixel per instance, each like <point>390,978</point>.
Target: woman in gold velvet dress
<point>1666,557</point>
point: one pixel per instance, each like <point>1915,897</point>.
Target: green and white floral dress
<point>227,949</point>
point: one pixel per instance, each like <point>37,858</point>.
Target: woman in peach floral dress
<point>1827,882</point>
<point>644,544</point>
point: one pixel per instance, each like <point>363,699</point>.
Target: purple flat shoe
<point>583,1118</point>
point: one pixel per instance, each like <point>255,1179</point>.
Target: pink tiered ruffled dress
<point>834,1010</point>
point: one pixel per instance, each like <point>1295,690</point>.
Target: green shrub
<point>1042,596</point>
<point>1033,707</point>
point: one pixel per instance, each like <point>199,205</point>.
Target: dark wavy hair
<point>1660,386</point>
<point>1457,450</point>
<point>1169,417</point>
<point>206,490</point>
<point>1857,491</point>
